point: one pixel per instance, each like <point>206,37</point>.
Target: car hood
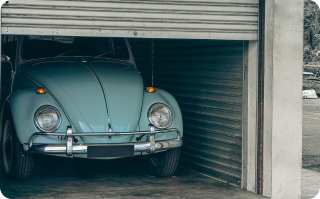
<point>93,94</point>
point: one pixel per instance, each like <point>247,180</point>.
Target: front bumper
<point>71,148</point>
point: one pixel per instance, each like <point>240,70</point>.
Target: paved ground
<point>310,183</point>
<point>311,134</point>
<point>56,178</point>
<point>311,148</point>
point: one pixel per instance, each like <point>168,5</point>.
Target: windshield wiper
<point>63,54</point>
<point>75,50</point>
<point>104,54</point>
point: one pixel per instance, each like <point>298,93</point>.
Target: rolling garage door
<point>206,78</point>
<point>190,19</point>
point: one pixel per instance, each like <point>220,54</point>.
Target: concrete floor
<point>125,178</point>
<point>55,177</point>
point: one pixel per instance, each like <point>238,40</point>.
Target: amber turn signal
<point>41,91</point>
<point>150,89</point>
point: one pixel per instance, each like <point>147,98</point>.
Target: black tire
<point>18,164</point>
<point>164,163</point>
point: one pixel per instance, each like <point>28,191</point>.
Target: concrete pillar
<point>249,135</point>
<point>282,140</point>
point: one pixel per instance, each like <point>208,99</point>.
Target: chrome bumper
<point>71,148</point>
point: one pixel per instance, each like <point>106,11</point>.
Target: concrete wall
<point>283,99</point>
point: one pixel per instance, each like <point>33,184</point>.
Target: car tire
<point>164,163</point>
<point>18,164</point>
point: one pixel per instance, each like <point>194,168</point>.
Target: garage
<point>206,54</point>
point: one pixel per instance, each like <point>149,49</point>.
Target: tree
<point>311,35</point>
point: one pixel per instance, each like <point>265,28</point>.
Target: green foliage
<point>311,32</point>
<point>314,70</point>
<point>312,84</point>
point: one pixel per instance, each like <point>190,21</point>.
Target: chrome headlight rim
<point>171,113</point>
<point>36,122</point>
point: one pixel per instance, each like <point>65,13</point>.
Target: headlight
<point>47,119</point>
<point>160,115</point>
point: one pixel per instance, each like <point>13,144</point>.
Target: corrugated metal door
<point>206,78</point>
<point>190,19</point>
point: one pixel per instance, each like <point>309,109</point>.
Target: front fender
<point>161,96</point>
<point>23,105</point>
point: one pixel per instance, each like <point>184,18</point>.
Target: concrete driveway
<point>55,177</point>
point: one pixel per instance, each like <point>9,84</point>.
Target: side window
<point>13,52</point>
<point>101,45</point>
<point>120,49</point>
<point>6,48</point>
<point>9,49</point>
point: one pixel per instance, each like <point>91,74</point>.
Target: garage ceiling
<point>189,19</point>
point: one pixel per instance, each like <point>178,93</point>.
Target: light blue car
<point>82,97</point>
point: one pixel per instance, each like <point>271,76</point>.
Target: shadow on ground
<point>55,177</point>
<point>311,162</point>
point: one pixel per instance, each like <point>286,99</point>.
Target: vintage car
<point>82,97</point>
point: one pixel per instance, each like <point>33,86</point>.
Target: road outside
<point>310,148</point>
<point>311,134</point>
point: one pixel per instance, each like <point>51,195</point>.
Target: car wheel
<point>164,163</point>
<point>17,163</point>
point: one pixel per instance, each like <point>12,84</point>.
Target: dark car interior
<point>42,47</point>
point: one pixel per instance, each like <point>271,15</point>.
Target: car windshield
<point>43,47</point>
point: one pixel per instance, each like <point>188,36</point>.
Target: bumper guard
<point>71,148</point>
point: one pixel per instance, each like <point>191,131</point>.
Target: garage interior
<point>206,78</point>
<point>197,51</point>
<point>56,177</point>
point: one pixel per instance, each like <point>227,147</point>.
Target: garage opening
<point>206,78</point>
<point>194,50</point>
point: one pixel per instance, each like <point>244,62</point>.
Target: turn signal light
<point>150,89</point>
<point>41,91</point>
